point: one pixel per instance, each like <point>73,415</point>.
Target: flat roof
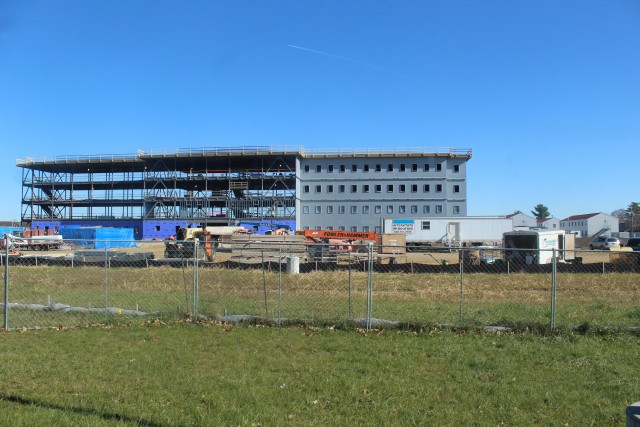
<point>218,156</point>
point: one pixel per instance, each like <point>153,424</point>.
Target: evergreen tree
<point>540,211</point>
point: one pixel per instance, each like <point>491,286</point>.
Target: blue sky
<point>545,93</point>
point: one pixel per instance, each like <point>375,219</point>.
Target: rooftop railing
<point>245,150</point>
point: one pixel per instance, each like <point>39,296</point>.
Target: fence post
<point>461,283</point>
<point>369,285</point>
<point>350,314</point>
<point>553,289</point>
<point>6,282</point>
<point>106,283</point>
<point>196,273</point>
<point>279,285</point>
<point>264,287</point>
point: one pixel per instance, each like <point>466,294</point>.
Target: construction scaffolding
<point>216,186</point>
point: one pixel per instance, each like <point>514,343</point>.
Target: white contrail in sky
<point>342,58</point>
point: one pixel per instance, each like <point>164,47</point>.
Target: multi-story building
<point>258,187</point>
<point>354,191</point>
<point>591,224</point>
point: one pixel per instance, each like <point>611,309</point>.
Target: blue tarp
<point>10,230</point>
<point>99,237</point>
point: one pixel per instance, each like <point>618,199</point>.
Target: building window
<point>329,227</point>
<point>318,168</point>
<point>414,167</point>
<point>354,168</point>
<point>439,167</point>
<point>438,209</point>
<point>438,188</point>
<point>354,228</point>
<point>329,209</point>
<point>365,228</point>
<point>378,168</point>
<point>414,188</point>
<point>426,188</point>
<point>426,225</point>
<point>354,209</point>
<point>402,188</point>
<point>378,188</point>
<point>426,167</point>
<point>306,168</point>
<point>306,188</point>
<point>318,227</point>
<point>305,209</point>
<point>456,188</point>
<point>390,209</point>
<point>390,167</point>
<point>365,188</point>
<point>306,228</point>
<point>318,188</point>
<point>341,188</point>
<point>426,209</point>
<point>330,168</point>
<point>402,209</point>
<point>329,188</point>
<point>456,168</point>
<point>365,168</point>
<point>341,209</point>
<point>414,209</point>
<point>354,188</point>
<point>456,209</point>
<point>402,167</point>
<point>377,229</point>
<point>342,168</point>
<point>341,228</point>
<point>318,209</point>
<point>365,209</point>
<point>377,209</point>
<point>390,188</point>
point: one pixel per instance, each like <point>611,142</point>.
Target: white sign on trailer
<point>402,226</point>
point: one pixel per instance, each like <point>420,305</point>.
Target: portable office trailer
<point>450,231</point>
<point>536,246</point>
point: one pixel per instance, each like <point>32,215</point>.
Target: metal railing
<point>100,282</point>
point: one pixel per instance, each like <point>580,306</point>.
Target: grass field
<point>610,299</point>
<point>181,374</point>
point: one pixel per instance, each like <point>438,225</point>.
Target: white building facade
<point>591,224</point>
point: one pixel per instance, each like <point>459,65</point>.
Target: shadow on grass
<point>78,410</point>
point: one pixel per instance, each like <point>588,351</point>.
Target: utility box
<point>393,243</point>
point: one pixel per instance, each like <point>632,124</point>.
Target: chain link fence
<point>85,283</point>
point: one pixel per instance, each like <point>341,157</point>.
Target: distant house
<point>522,221</point>
<point>591,224</point>
<point>549,223</point>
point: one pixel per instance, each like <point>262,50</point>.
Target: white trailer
<point>537,246</point>
<point>450,231</point>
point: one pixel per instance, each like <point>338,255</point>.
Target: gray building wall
<point>356,193</point>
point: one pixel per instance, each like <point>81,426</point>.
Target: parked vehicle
<point>604,242</point>
<point>633,243</point>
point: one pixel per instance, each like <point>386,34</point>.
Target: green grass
<point>182,374</point>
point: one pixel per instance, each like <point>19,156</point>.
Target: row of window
<point>414,167</point>
<point>377,209</point>
<point>365,228</point>
<point>424,225</point>
<point>366,188</point>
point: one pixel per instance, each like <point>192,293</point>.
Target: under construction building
<point>261,188</point>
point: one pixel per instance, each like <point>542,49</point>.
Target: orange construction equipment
<point>342,241</point>
<point>339,234</point>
